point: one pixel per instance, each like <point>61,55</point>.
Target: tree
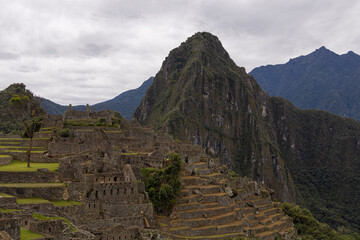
<point>25,108</point>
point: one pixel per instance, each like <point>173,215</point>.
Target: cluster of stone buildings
<point>99,169</point>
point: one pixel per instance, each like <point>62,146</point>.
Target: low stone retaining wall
<point>50,193</point>
<point>7,201</point>
<point>5,160</point>
<point>11,226</point>
<point>27,177</point>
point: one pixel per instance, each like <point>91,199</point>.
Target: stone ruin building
<point>99,170</point>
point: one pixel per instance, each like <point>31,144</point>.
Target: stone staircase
<point>210,207</point>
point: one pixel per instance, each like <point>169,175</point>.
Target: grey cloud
<point>95,50</point>
<point>116,45</point>
<point>9,56</point>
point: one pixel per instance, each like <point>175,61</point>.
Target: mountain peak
<point>324,51</point>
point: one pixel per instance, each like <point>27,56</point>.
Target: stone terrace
<point>214,206</point>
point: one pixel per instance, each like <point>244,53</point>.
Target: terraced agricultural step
<point>268,219</point>
<point>258,201</point>
<point>211,237</point>
<point>264,207</point>
<point>192,180</point>
<point>204,171</point>
<point>253,230</point>
<point>204,221</point>
<point>208,212</point>
<point>52,191</point>
<point>266,235</point>
<point>195,205</point>
<point>271,211</point>
<point>204,189</point>
<point>200,165</point>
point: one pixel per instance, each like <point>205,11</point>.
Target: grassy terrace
<point>23,151</point>
<point>19,147</point>
<point>4,195</point>
<point>44,218</point>
<point>20,166</point>
<point>56,203</point>
<point>9,210</point>
<point>133,154</point>
<point>4,156</point>
<point>24,185</point>
<point>28,235</point>
<point>19,139</point>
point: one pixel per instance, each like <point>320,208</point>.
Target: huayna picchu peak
<point>306,156</point>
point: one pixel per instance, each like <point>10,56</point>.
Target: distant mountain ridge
<point>125,103</point>
<point>320,80</point>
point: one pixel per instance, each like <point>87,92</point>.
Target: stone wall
<point>11,226</point>
<point>49,227</point>
<point>7,201</point>
<point>5,160</point>
<point>38,142</point>
<point>117,232</point>
<point>29,177</point>
<point>115,192</point>
<point>50,193</point>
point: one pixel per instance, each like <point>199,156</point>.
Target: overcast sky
<point>77,51</point>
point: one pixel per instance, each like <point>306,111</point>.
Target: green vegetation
<point>56,203</point>
<point>29,235</point>
<point>65,132</point>
<point>133,153</point>
<point>63,203</point>
<point>23,185</point>
<point>22,151</point>
<point>9,210</point>
<point>5,195</point>
<point>310,229</point>
<point>163,185</point>
<point>20,166</point>
<point>31,200</point>
<point>45,218</point>
<point>24,107</point>
<point>4,156</point>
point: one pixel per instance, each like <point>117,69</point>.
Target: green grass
<point>13,139</point>
<point>45,132</point>
<point>47,128</point>
<point>24,185</point>
<point>20,166</point>
<point>44,218</point>
<point>31,200</point>
<point>17,142</point>
<point>56,203</point>
<point>63,203</point>
<point>5,195</point>
<point>82,120</point>
<point>28,235</point>
<point>22,151</point>
<point>9,210</point>
<point>132,154</point>
<point>18,147</point>
<point>4,156</point>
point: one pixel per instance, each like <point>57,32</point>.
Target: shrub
<point>163,185</point>
<point>309,228</point>
<point>65,132</point>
